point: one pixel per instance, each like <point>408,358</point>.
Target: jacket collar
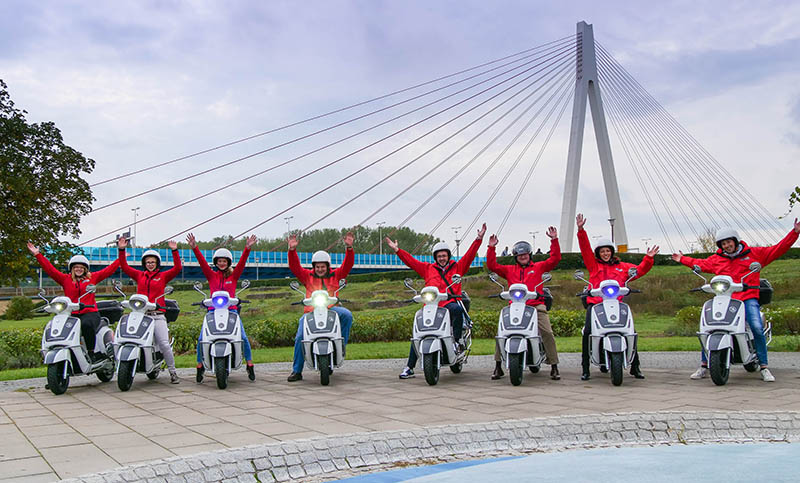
<point>741,251</point>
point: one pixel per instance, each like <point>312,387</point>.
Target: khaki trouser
<point>545,331</point>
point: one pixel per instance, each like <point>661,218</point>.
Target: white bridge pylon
<point>587,86</point>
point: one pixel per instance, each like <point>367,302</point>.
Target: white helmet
<point>152,253</point>
<point>78,260</point>
<point>724,233</point>
<point>442,246</point>
<point>604,242</point>
<point>321,256</point>
<point>222,253</point>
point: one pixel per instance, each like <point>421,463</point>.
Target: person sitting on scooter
<point>224,278</point>
<point>531,275</point>
<point>151,283</point>
<point>74,284</point>
<point>603,265</point>
<point>319,277</point>
<point>733,258</point>
<point>440,275</point>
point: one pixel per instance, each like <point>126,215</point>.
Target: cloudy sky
<point>132,84</point>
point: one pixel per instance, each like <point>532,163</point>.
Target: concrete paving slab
<point>24,468</point>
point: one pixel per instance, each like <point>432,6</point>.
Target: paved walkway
<point>94,427</point>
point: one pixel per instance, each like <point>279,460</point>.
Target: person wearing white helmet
<point>74,284</point>
<point>151,283</point>
<point>224,277</point>
<point>321,276</point>
<point>733,258</point>
<point>440,274</point>
<point>603,265</point>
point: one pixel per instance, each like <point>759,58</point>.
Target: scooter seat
<point>103,322</point>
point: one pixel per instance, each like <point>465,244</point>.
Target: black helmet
<point>521,248</point>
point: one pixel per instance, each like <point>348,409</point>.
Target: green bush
<point>19,308</point>
<point>687,321</point>
<point>19,348</point>
<point>785,321</point>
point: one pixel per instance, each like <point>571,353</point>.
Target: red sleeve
<point>463,264</point>
<point>767,255</point>
<point>492,265</point>
<point>705,264</point>
<point>123,263</point>
<point>347,264</point>
<point>645,266</point>
<point>237,272</point>
<point>412,262</point>
<point>50,270</point>
<point>301,273</point>
<point>176,267</point>
<point>586,251</point>
<point>203,263</point>
<point>555,256</point>
<point>103,274</point>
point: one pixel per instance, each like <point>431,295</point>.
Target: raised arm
<point>555,251</point>
<point>122,243</point>
<point>103,274</point>
<point>50,270</point>
<point>463,264</point>
<point>237,272</point>
<point>301,273</point>
<point>349,257</point>
<point>491,260</point>
<point>767,255</point>
<point>586,250</point>
<point>176,262</point>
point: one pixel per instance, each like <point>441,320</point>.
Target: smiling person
<point>320,277</point>
<point>603,265</point>
<point>74,284</point>
<point>733,258</point>
<point>151,283</point>
<point>224,277</point>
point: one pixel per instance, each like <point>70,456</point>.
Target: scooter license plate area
<point>511,321</point>
<point>717,314</point>
<point>319,325</point>
<point>59,331</point>
<point>428,321</point>
<point>130,329</point>
<point>611,320</point>
<point>223,326</point>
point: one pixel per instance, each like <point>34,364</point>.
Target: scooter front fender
<point>128,353</point>
<point>56,355</point>
<point>516,345</point>
<point>221,349</point>
<point>430,345</point>
<point>615,343</point>
<point>719,341</point>
<point>322,347</point>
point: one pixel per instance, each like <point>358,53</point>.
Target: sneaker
<point>554,374</point>
<point>295,376</point>
<point>636,372</point>
<point>407,373</point>
<point>603,368</point>
<point>767,376</point>
<point>700,373</point>
<point>585,376</point>
<point>251,372</point>
<point>173,377</point>
<point>200,371</point>
<point>498,372</point>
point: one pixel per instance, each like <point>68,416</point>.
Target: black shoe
<point>554,375</point>
<point>110,352</point>
<point>585,376</point>
<point>251,372</point>
<point>96,357</point>
<point>498,372</point>
<point>636,372</point>
<point>295,376</point>
<point>200,371</point>
<point>603,368</point>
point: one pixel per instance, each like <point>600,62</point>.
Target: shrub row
<point>785,321</point>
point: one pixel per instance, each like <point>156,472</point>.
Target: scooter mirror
<point>116,283</point>
<point>168,289</point>
<point>493,276</point>
<point>456,279</point>
<point>696,269</point>
<point>42,293</point>
<point>546,277</point>
<point>198,285</point>
<point>245,284</point>
<point>342,283</point>
<point>578,274</point>
<point>294,285</point>
<point>755,267</point>
<point>408,283</point>
<point>632,272</point>
<point>91,288</point>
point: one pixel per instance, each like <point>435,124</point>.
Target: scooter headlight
<point>220,301</point>
<point>59,307</point>
<point>720,287</point>
<point>320,300</point>
<point>517,295</point>
<point>611,291</point>
<point>428,297</point>
<point>137,304</point>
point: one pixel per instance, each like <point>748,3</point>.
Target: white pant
<point>161,337</point>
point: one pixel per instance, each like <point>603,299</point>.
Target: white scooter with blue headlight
<point>725,335</point>
<point>613,338</point>
<point>63,348</point>
<point>518,329</point>
<point>221,343</point>
<point>134,346</point>
<point>323,344</point>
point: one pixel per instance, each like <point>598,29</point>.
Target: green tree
<point>42,194</point>
<point>794,198</point>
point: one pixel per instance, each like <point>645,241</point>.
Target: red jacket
<point>216,279</point>
<point>531,274</point>
<point>151,284</point>
<point>74,290</point>
<point>612,270</point>
<point>737,265</point>
<point>310,280</point>
<point>441,277</point>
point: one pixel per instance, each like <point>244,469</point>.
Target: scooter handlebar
<point>345,300</point>
<point>634,290</point>
<point>297,303</point>
<point>201,304</point>
<point>696,289</point>
<point>495,296</point>
<point>244,301</point>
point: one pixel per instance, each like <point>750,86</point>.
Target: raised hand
<point>580,220</point>
<point>251,240</point>
<point>33,249</point>
<point>392,244</point>
<point>677,256</point>
<point>482,231</point>
<point>172,245</point>
<point>493,240</point>
<point>122,242</point>
<point>191,240</point>
<point>349,238</point>
<point>292,241</point>
<point>552,232</point>
<point>653,251</point>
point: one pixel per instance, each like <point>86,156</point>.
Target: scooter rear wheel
<point>718,368</point>
<point>125,375</point>
<point>152,375</point>
<point>55,378</point>
<point>616,361</point>
<point>221,371</point>
<point>105,375</point>
<point>751,367</point>
<point>430,366</point>
<point>456,368</point>
<point>516,368</point>
<point>324,364</point>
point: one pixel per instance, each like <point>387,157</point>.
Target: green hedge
<point>785,321</point>
<point>19,348</point>
<point>19,308</point>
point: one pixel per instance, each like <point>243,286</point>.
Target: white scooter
<point>612,326</point>
<point>323,345</point>
<point>433,335</point>
<point>134,346</point>
<point>221,342</point>
<point>725,335</point>
<point>518,330</point>
<point>63,348</point>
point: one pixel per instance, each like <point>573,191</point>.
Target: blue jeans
<point>247,352</point>
<point>346,321</point>
<point>456,321</point>
<point>752,314</point>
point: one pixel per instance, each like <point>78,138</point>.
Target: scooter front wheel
<point>516,368</point>
<point>718,367</point>
<point>616,362</point>
<point>221,371</point>
<point>430,366</point>
<point>56,379</point>
<point>324,365</point>
<point>125,375</point>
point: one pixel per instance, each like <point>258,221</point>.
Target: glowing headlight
<point>59,307</point>
<point>611,291</point>
<point>137,304</point>
<point>517,295</point>
<point>320,300</point>
<point>720,287</point>
<point>220,302</point>
<point>428,297</point>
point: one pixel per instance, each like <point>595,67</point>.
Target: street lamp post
<point>458,241</point>
<point>135,212</point>
<point>611,221</point>
<point>288,220</point>
<point>645,240</point>
<point>380,238</point>
<point>533,234</point>
<point>257,262</point>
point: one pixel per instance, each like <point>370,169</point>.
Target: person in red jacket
<point>224,278</point>
<point>74,284</point>
<point>603,265</point>
<point>733,258</point>
<point>440,275</point>
<point>151,283</point>
<point>531,275</point>
<point>319,277</point>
